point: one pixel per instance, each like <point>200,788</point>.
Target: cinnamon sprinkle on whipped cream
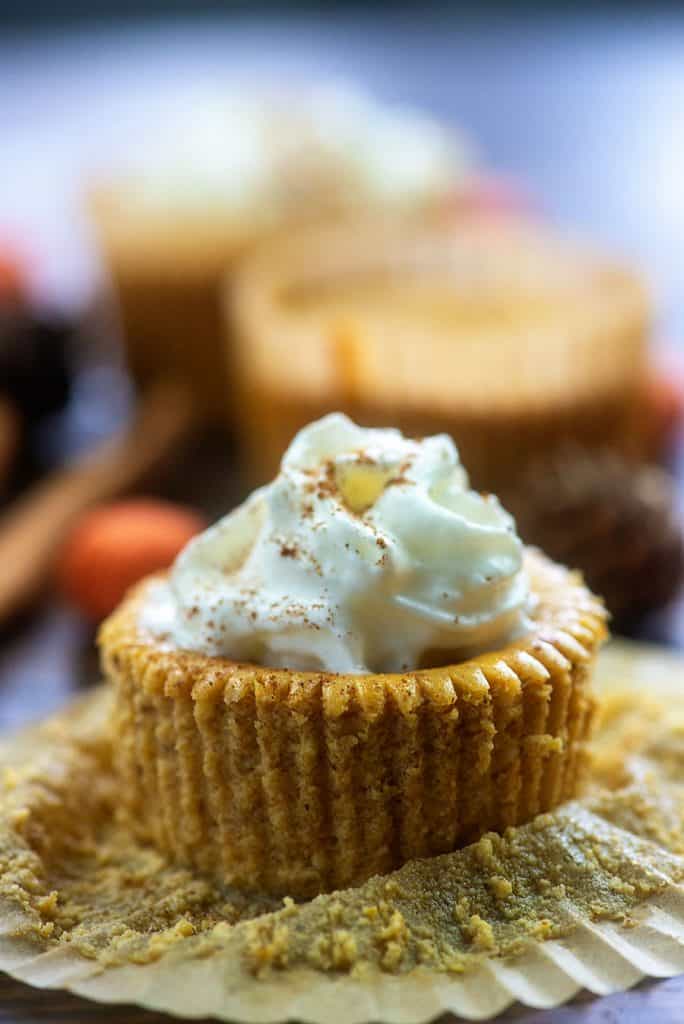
<point>367,552</point>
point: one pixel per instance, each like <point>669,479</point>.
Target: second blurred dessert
<point>508,337</point>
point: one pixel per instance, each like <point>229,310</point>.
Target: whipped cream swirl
<point>264,153</point>
<point>367,553</point>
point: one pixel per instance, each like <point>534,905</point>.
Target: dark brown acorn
<point>615,521</point>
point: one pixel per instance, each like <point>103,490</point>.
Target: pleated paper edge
<point>601,958</point>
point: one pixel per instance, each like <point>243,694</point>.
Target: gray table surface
<point>586,109</point>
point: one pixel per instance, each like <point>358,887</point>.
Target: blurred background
<point>565,116</point>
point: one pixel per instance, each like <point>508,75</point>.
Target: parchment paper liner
<point>602,956</point>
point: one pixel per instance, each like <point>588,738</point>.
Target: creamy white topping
<point>261,154</point>
<point>367,551</point>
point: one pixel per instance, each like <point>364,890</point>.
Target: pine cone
<point>614,521</point>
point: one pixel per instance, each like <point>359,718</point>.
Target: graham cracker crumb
<point>501,887</point>
<point>266,946</point>
<point>479,934</point>
<point>47,905</point>
<point>337,951</point>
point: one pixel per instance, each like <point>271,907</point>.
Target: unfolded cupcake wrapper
<point>595,954</point>
<point>298,783</point>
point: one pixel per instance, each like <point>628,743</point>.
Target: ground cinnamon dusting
<point>79,880</point>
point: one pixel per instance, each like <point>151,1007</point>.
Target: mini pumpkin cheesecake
<point>221,172</point>
<point>511,339</point>
<point>359,666</point>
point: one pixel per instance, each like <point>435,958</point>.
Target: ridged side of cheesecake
<point>298,783</point>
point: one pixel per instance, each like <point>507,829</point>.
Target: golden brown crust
<point>300,782</point>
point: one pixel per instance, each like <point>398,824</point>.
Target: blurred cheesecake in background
<point>506,336</point>
<point>213,177</point>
